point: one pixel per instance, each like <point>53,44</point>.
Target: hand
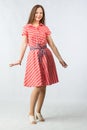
<point>63,63</point>
<point>16,63</point>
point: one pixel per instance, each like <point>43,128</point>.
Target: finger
<point>65,65</point>
<point>13,64</point>
<point>10,65</point>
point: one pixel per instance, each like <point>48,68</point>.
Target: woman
<point>40,66</point>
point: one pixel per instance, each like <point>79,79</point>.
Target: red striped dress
<point>40,66</point>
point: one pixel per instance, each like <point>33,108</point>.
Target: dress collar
<point>31,25</point>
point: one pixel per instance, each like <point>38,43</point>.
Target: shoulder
<point>46,29</point>
<point>45,26</point>
<point>26,26</point>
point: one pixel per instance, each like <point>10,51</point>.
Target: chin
<point>38,20</point>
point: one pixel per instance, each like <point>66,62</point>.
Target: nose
<point>39,14</point>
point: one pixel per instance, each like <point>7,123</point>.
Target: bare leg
<point>40,99</point>
<point>33,99</point>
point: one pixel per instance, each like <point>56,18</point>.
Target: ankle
<point>31,114</point>
<point>38,111</point>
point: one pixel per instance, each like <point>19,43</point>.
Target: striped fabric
<point>39,72</point>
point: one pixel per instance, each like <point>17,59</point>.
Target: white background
<point>67,20</point>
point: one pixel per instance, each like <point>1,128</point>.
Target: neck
<point>36,23</point>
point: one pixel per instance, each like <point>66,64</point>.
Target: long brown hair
<point>32,14</point>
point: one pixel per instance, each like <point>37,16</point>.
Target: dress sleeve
<point>24,31</point>
<point>48,32</point>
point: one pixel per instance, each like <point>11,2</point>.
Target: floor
<point>14,116</point>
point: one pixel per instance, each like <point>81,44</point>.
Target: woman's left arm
<point>55,51</point>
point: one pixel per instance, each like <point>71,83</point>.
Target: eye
<point>41,12</point>
<point>36,12</point>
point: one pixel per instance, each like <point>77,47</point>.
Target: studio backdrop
<point>67,20</point>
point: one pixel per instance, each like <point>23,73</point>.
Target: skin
<point>38,93</point>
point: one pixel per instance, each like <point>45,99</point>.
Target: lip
<point>38,17</point>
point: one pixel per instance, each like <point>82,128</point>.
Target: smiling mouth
<point>38,17</point>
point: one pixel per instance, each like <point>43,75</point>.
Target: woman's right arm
<point>22,52</point>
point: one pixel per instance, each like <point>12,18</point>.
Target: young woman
<point>40,66</point>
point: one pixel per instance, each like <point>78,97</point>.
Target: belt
<point>41,49</point>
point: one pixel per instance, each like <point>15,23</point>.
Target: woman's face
<point>38,14</point>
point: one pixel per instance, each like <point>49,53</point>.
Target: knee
<point>43,89</point>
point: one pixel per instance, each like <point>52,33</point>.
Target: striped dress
<point>40,66</point>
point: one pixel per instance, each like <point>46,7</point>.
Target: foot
<point>32,119</point>
<point>39,117</point>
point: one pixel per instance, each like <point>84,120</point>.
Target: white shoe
<point>39,117</point>
<point>32,119</point>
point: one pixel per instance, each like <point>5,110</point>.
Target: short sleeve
<point>24,31</point>
<point>48,32</point>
